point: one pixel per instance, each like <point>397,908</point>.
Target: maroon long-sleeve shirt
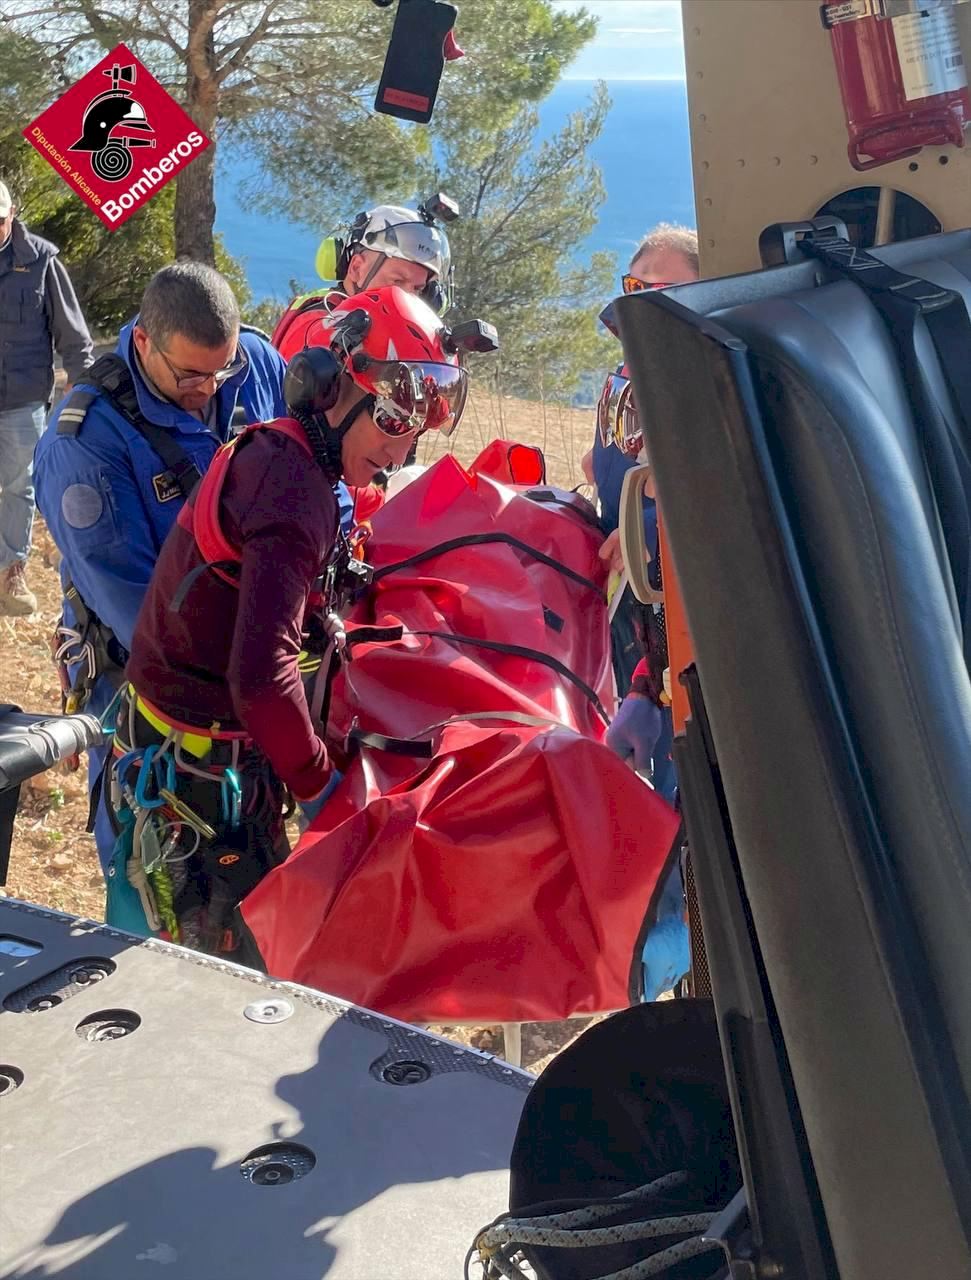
<point>228,656</point>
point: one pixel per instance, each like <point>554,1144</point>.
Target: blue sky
<point>636,40</point>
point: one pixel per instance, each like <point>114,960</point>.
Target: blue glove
<point>634,731</point>
<point>310,808</point>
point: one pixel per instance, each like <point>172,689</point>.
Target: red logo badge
<point>116,137</point>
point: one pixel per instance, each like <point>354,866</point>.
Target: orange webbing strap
<point>680,656</point>
<point>680,650</point>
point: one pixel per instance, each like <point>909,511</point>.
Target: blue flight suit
<point>109,502</point>
<point>666,956</point>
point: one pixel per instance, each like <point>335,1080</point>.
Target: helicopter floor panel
<point>159,1107</point>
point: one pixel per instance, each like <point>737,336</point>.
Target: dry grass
<point>54,861</point>
<point>563,434</point>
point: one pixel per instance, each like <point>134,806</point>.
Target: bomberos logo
<point>132,132</point>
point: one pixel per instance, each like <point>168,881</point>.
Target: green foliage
<point>295,83</point>
<point>110,268</point>
<point>328,154</point>
<point>265,313</point>
<point>527,208</point>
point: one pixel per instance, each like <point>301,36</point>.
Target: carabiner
<point>232,795</point>
<point>145,774</point>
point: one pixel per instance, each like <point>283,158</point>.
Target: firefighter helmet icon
<point>113,109</point>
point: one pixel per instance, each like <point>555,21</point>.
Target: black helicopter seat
<point>29,744</point>
<point>810,431</point>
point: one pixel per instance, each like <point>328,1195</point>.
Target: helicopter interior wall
<point>806,547</point>
<point>768,134</point>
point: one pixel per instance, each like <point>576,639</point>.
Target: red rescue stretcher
<point>486,857</point>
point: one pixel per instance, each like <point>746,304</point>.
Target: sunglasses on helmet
<point>416,396</point>
<point>617,420</point>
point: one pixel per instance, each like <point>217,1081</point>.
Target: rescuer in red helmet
<point>214,728</point>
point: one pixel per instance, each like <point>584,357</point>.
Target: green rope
<point>161,883</point>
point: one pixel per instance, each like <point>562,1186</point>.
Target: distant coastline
<point>643,152</point>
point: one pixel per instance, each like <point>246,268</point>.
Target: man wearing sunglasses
<point>255,561</point>
<point>666,256</point>
<point>121,453</point>
<point>641,731</point>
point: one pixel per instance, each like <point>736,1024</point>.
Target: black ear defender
<point>312,382</point>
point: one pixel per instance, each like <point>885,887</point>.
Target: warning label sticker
<point>929,51</point>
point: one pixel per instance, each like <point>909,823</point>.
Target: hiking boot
<point>16,598</point>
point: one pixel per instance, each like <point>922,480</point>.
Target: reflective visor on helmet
<point>425,396</point>
<point>617,420</point>
<point>415,241</point>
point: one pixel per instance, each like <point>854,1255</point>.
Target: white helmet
<point>402,233</point>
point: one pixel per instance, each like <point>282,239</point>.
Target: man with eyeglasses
<point>122,452</point>
<point>666,256</point>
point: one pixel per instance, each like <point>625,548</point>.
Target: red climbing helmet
<point>396,349</point>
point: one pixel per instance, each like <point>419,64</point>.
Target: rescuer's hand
<point>634,732</point>
<point>610,552</point>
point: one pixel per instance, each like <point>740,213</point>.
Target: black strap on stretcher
<point>422,745</point>
<point>479,540</point>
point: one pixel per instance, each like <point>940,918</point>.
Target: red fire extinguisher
<point>902,79</point>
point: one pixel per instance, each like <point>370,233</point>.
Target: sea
<point>643,153</point>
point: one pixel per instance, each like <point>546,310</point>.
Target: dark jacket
<point>228,655</point>
<point>39,314</point>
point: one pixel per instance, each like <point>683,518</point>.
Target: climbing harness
<point>160,831</point>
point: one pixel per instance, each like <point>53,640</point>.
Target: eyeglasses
<point>634,284</point>
<point>188,381</point>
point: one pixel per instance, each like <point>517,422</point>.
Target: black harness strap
<point>580,507</point>
<point>113,379</point>
<point>902,301</point>
<point>421,745</point>
<point>478,540</point>
<point>360,635</point>
<point>532,655</point>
